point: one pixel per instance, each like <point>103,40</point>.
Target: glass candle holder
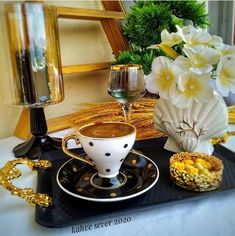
<point>30,67</point>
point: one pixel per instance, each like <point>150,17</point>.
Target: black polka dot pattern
<point>107,170</point>
<point>126,145</point>
<point>91,144</point>
<point>107,154</point>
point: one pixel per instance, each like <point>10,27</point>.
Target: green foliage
<point>190,11</point>
<point>143,58</point>
<point>147,19</point>
<point>144,25</point>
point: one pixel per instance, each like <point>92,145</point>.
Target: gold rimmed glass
<point>126,84</point>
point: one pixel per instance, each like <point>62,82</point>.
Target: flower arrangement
<point>145,21</point>
<point>193,58</point>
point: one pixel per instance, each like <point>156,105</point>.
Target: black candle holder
<point>39,142</point>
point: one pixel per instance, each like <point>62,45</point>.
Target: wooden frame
<point>85,68</point>
<point>109,18</point>
<point>87,14</point>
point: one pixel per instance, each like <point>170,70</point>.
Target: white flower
<point>170,39</point>
<point>192,36</point>
<point>183,62</point>
<point>202,58</point>
<point>192,87</point>
<point>226,50</point>
<point>186,64</point>
<point>214,41</point>
<point>162,79</point>
<point>225,74</point>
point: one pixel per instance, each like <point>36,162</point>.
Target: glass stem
<point>126,107</point>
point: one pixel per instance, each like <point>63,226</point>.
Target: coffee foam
<point>107,130</point>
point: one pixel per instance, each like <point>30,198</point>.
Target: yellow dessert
<point>196,171</point>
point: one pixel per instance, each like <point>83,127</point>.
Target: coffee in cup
<point>106,130</point>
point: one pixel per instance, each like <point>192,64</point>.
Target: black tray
<point>67,210</point>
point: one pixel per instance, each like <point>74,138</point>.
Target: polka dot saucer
<point>137,175</point>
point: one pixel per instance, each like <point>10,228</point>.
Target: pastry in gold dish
<point>196,171</point>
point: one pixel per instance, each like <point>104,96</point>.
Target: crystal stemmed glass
<point>126,84</point>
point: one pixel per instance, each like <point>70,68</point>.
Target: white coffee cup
<point>106,143</point>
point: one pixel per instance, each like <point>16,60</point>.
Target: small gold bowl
<point>196,171</point>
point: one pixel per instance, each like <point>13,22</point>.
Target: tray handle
<point>9,172</point>
<point>223,139</point>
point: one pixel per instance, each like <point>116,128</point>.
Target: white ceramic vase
<point>191,129</point>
